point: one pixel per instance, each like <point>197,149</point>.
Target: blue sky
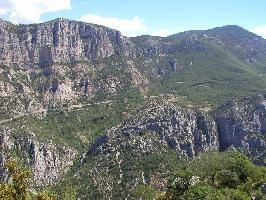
<point>137,17</point>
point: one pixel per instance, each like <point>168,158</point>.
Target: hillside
<point>92,111</point>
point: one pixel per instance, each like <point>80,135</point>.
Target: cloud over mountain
<point>261,30</point>
<point>30,11</point>
<point>129,27</point>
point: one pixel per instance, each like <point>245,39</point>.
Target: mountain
<point>97,113</point>
<point>64,60</point>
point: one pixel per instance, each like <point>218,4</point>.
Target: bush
<point>232,194</point>
<point>18,185</point>
<point>145,192</point>
<point>181,183</point>
<point>202,192</point>
<point>226,176</point>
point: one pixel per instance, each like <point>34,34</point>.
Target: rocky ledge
<point>46,159</point>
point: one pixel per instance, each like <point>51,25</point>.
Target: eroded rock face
<point>59,62</point>
<point>242,125</point>
<point>123,153</point>
<point>37,89</point>
<point>237,124</point>
<point>183,130</point>
<point>46,159</point>
<point>59,40</point>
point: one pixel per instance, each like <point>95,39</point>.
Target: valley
<point>98,115</point>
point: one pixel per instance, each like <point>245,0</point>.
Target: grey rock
<point>58,41</point>
<point>183,130</point>
<point>242,125</point>
<point>47,160</point>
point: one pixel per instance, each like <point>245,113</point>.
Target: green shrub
<point>235,194</point>
<point>19,184</point>
<point>226,178</point>
<point>202,192</point>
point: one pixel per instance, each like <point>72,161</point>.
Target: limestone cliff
<point>59,40</point>
<point>183,130</point>
<point>242,124</point>
<point>138,150</point>
<point>46,159</point>
<point>80,86</point>
<point>133,153</point>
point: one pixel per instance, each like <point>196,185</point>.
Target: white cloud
<point>261,30</point>
<point>128,27</point>
<point>4,7</point>
<point>162,33</point>
<point>29,11</point>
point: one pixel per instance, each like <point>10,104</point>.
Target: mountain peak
<point>230,31</point>
<point>61,40</point>
<point>230,27</point>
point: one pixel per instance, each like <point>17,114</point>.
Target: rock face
<point>62,65</point>
<point>123,154</point>
<point>183,130</point>
<point>59,40</point>
<point>69,41</point>
<point>46,159</point>
<point>242,125</point>
<point>59,62</point>
<point>239,124</point>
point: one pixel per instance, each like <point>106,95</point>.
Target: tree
<point>18,186</point>
<point>223,176</point>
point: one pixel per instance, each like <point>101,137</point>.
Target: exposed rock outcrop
<point>243,125</point>
<point>238,124</point>
<point>123,153</point>
<point>64,64</point>
<point>47,160</point>
<point>59,40</point>
<point>181,129</point>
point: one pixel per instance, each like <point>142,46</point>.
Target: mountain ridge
<point>81,103</point>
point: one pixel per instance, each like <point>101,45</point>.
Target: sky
<point>141,17</point>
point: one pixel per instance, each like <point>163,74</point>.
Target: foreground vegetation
<point>19,184</point>
<point>212,176</point>
<point>220,176</point>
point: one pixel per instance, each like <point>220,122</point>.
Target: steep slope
<point>247,46</point>
<point>141,150</point>
<point>59,62</point>
<point>64,62</point>
<point>64,83</point>
<point>147,147</point>
<point>205,72</point>
<point>47,159</point>
<point>59,40</point>
<point>242,124</point>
